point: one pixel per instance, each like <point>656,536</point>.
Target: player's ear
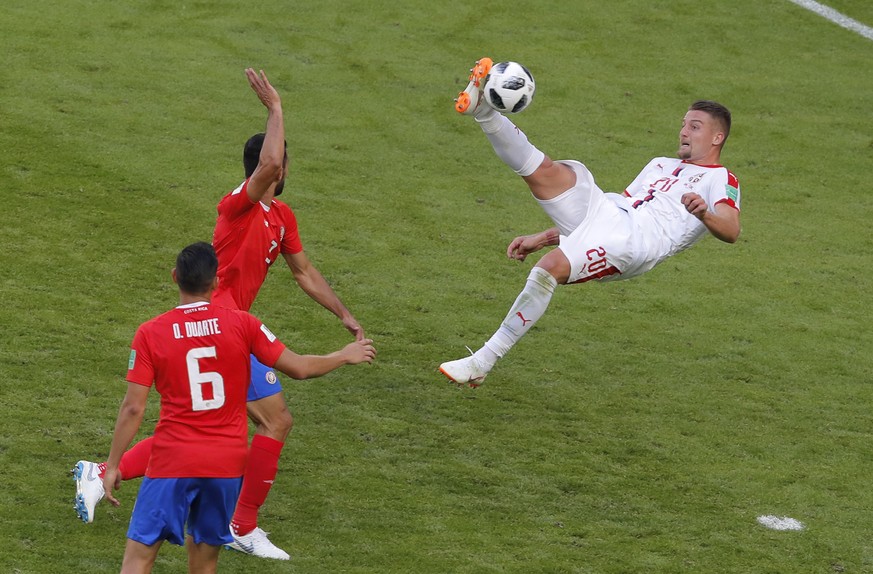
<point>173,273</point>
<point>718,139</point>
<point>214,283</point>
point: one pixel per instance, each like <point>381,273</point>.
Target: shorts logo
<point>271,377</point>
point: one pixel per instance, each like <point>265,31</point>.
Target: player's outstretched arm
<point>316,286</point>
<point>130,416</point>
<point>311,366</point>
<point>520,247</point>
<point>271,163</point>
<point>723,221</point>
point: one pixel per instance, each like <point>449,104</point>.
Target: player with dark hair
<point>197,357</point>
<point>252,230</point>
<point>668,207</point>
<point>196,268</point>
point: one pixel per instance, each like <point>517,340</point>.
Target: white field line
<point>780,522</point>
<point>836,17</point>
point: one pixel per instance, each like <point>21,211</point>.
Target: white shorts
<point>595,230</point>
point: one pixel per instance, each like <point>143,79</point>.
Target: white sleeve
<point>723,187</point>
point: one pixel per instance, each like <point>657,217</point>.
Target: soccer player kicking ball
<point>197,358</point>
<point>667,208</point>
<point>252,231</point>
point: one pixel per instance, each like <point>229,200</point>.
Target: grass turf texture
<point>641,428</point>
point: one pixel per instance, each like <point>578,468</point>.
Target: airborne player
<point>669,206</point>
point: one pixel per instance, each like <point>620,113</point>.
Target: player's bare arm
<point>271,165</point>
<point>316,286</point>
<point>522,246</point>
<point>723,222</point>
<point>310,366</point>
<point>130,416</point>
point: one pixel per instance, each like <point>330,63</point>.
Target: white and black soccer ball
<point>509,87</point>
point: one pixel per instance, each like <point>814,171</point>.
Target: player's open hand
<point>694,204</point>
<point>262,87</point>
<point>361,351</point>
<point>111,483</point>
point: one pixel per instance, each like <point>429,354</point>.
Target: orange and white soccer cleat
<point>470,99</point>
<point>467,372</point>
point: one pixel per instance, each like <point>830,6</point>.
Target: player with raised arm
<point>668,207</point>
<point>197,358</point>
<point>252,231</point>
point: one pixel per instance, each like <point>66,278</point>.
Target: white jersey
<point>611,236</point>
<point>661,225</point>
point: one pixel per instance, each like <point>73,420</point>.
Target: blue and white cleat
<point>89,489</point>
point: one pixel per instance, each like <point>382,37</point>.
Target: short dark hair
<point>196,266</point>
<point>717,111</point>
<point>252,153</point>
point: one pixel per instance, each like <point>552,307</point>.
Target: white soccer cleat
<point>465,372</point>
<point>257,544</point>
<point>471,99</point>
<point>89,489</point>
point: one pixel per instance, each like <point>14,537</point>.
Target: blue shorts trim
<point>264,383</point>
<point>165,505</point>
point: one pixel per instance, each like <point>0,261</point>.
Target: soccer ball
<point>509,87</point>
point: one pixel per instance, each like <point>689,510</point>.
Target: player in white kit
<point>668,207</point>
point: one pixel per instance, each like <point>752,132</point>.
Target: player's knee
<point>272,417</point>
<point>556,264</point>
<point>277,424</point>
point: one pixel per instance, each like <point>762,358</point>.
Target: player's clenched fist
<point>694,204</point>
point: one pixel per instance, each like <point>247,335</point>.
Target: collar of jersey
<point>193,305</point>
<point>685,161</point>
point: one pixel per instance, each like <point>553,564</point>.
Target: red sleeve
<point>266,347</point>
<point>291,241</point>
<point>236,202</point>
<point>140,369</point>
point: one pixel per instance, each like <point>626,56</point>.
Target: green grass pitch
<point>640,428</point>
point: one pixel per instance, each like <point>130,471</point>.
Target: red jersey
<point>197,358</point>
<point>248,238</point>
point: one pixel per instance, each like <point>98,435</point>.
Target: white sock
<point>530,305</point>
<point>484,113</point>
<point>510,143</point>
